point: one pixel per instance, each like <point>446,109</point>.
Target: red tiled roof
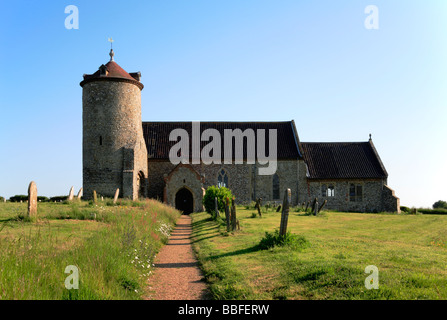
<point>114,72</point>
<point>339,160</point>
<point>156,135</point>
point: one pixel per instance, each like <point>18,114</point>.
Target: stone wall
<point>371,200</point>
<point>184,176</point>
<point>243,180</point>
<point>390,203</point>
<point>111,127</point>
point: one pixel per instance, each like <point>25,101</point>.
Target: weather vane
<point>111,54</point>
<point>111,42</point>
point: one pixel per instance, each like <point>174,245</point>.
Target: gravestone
<point>285,212</point>
<point>102,198</point>
<point>71,194</point>
<point>322,206</point>
<point>233,216</point>
<point>80,193</point>
<point>316,207</point>
<point>227,213</point>
<point>216,208</point>
<point>279,208</point>
<point>258,206</point>
<point>32,199</point>
<point>95,198</point>
<point>115,198</point>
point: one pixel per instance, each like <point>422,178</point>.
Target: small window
<point>327,190</point>
<point>355,192</point>
<point>331,191</point>
<point>222,179</point>
<point>100,140</point>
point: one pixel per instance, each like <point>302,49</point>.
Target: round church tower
<point>114,152</point>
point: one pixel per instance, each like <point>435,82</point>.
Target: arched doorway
<point>141,185</point>
<point>184,201</point>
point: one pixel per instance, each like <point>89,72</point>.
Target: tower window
<point>100,140</point>
<point>222,179</point>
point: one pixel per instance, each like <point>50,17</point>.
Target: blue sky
<point>245,60</point>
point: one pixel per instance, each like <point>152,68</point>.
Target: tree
<point>440,205</point>
<point>221,193</point>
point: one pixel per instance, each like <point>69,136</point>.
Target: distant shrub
<point>58,198</point>
<point>405,209</point>
<point>273,239</point>
<point>18,197</point>
<point>440,205</point>
<point>43,199</point>
<point>432,211</point>
<point>221,193</point>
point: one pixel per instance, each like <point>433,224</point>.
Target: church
<point>120,151</point>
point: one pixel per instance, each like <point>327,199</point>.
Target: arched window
<point>222,179</point>
<point>276,195</point>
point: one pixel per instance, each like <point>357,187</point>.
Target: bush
<point>274,239</point>
<point>58,198</point>
<point>432,211</point>
<point>18,197</point>
<point>221,193</point>
<point>405,209</point>
<point>440,205</point>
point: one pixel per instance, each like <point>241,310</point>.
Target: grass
<point>112,246</point>
<point>410,252</point>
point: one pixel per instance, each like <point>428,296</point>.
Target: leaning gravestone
<point>227,213</point>
<point>216,208</point>
<point>32,199</point>
<point>71,194</point>
<point>285,212</point>
<point>115,198</point>
<point>80,193</point>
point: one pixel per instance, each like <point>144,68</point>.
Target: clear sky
<point>245,60</point>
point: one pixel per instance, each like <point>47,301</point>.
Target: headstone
<point>278,209</point>
<point>285,212</point>
<point>316,207</point>
<point>102,198</point>
<point>216,208</point>
<point>80,193</point>
<point>32,199</point>
<point>324,203</point>
<point>71,194</point>
<point>258,206</point>
<point>233,215</point>
<point>307,206</point>
<point>95,198</point>
<point>115,198</point>
<point>312,208</point>
<point>227,213</point>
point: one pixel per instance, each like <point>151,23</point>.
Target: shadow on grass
<point>236,252</point>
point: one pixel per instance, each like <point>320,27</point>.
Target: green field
<point>410,252</point>
<point>112,246</point>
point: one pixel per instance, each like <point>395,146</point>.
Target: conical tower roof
<point>111,71</point>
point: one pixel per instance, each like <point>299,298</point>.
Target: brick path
<point>177,275</point>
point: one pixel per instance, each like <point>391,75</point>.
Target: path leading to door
<point>177,275</point>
